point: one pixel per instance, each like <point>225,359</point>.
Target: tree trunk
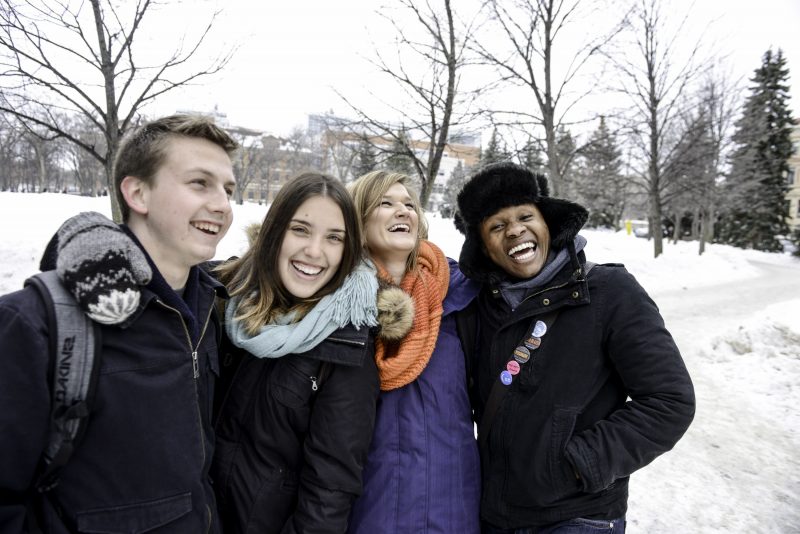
<point>655,225</point>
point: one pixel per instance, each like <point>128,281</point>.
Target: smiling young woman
<point>422,473</point>
<point>294,428</point>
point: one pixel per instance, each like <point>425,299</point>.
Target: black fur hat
<point>502,185</point>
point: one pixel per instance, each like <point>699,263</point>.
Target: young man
<point>578,382</point>
<point>142,465</point>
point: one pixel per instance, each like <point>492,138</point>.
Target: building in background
<point>339,145</point>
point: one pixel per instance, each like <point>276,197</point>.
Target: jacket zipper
<point>352,342</point>
<point>545,291</point>
<point>195,376</point>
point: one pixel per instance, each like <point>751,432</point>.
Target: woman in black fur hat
<point>577,383</point>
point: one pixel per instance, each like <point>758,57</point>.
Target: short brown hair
<point>142,152</point>
<point>368,191</point>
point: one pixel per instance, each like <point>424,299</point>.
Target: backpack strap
<point>75,350</point>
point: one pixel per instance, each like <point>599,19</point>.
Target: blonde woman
<point>422,472</point>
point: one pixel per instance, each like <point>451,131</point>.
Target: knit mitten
<point>100,265</point>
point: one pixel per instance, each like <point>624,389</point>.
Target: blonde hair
<point>368,191</point>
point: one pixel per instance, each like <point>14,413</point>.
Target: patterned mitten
<point>100,265</point>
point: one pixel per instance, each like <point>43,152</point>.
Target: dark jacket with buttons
<point>604,394</point>
<point>143,463</point>
<point>289,457</point>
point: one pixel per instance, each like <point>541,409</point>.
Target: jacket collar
<point>569,287</point>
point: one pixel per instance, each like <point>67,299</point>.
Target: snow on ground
<point>733,313</point>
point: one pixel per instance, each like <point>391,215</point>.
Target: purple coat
<point>423,473</point>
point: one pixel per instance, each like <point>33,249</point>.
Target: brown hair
<point>144,150</point>
<point>368,191</point>
<point>255,277</point>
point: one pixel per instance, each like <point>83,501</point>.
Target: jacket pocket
<point>273,504</point>
<point>538,473</point>
<point>293,379</point>
<point>135,518</point>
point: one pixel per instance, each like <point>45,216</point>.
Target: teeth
<point>207,227</point>
<point>403,227</point>
<point>307,269</point>
<point>521,247</point>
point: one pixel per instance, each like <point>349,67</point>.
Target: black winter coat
<point>566,437</point>
<point>289,458</point>
<point>143,463</point>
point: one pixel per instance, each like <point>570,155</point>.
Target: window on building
<point>249,195</point>
<point>791,176</point>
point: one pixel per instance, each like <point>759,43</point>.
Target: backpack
<point>75,350</point>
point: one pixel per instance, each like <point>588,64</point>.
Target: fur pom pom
<point>395,313</point>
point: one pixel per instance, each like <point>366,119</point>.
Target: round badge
<point>539,329</point>
<point>521,354</point>
<point>505,378</point>
<point>513,367</point>
<point>533,342</point>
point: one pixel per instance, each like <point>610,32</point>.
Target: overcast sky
<point>292,55</point>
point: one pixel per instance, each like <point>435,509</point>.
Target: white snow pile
<point>734,315</point>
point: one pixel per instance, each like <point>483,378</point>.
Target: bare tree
<point>434,103</point>
<point>700,163</point>
<point>88,172</point>
<point>297,152</point>
<point>248,159</point>
<point>10,146</point>
<point>54,56</point>
<point>657,81</point>
<point>527,58</point>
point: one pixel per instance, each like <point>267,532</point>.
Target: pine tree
<point>366,160</point>
<point>565,151</point>
<point>399,160</point>
<point>598,183</point>
<point>454,184</point>
<point>756,187</point>
<point>494,152</point>
<point>533,158</point>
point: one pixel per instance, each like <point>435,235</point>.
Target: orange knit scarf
<point>400,363</point>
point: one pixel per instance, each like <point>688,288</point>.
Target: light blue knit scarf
<point>354,302</point>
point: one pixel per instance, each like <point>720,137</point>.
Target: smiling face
<point>184,211</point>
<point>312,247</point>
<point>517,240</point>
<point>392,229</point>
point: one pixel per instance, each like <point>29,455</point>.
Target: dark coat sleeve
<point>335,450</point>
<point>661,396</point>
<point>25,401</point>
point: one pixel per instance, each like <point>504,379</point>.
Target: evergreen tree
<point>366,161</point>
<point>532,157</point>
<point>756,187</point>
<point>565,151</point>
<point>454,184</point>
<point>796,241</point>
<point>494,151</point>
<point>598,182</point>
<point>399,160</point>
